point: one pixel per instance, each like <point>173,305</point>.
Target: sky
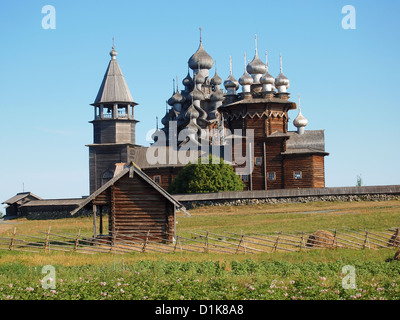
<point>347,78</point>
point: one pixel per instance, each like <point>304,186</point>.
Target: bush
<point>213,176</point>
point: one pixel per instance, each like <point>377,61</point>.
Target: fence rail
<point>202,241</point>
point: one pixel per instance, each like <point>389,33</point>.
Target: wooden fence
<point>202,241</point>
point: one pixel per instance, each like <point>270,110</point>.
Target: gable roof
<point>131,168</point>
<point>19,197</point>
<point>311,141</point>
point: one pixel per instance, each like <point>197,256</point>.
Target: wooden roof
<point>113,89</point>
<point>131,169</point>
<point>311,141</point>
<point>20,196</point>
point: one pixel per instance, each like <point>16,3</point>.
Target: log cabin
<point>135,205</point>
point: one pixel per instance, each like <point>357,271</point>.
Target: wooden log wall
<point>137,207</point>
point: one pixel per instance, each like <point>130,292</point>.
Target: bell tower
<point>113,126</point>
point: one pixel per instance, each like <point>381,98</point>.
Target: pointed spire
<point>113,88</point>
<point>266,59</point>
<point>173,86</point>
<point>299,105</point>
<point>280,58</point>
<point>177,84</point>
<point>245,62</point>
<point>256,45</point>
<point>230,64</point>
<point>201,40</point>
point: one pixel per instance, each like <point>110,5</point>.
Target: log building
<point>279,159</point>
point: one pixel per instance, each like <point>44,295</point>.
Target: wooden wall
<point>311,167</point>
<point>135,206</point>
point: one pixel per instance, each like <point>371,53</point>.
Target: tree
<point>213,176</point>
<point>359,181</point>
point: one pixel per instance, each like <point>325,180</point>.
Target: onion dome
<point>199,78</point>
<point>113,53</point>
<point>217,95</point>
<point>176,98</point>
<point>266,77</point>
<point>216,80</point>
<point>200,59</point>
<point>188,81</point>
<point>191,113</point>
<point>256,66</point>
<point>300,121</point>
<point>165,119</point>
<point>231,82</point>
<point>196,94</point>
<point>281,79</point>
<point>246,79</point>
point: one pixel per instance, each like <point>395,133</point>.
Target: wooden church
<point>279,159</point>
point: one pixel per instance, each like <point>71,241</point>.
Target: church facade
<point>252,111</point>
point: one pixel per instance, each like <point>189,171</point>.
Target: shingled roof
<point>113,89</point>
<point>311,141</point>
<point>131,169</point>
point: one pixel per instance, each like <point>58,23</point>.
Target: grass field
<point>314,274</point>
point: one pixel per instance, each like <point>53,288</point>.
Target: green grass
<point>314,274</point>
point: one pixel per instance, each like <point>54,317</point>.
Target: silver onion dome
<point>282,80</point>
<point>267,79</point>
<point>217,95</point>
<point>200,59</point>
<point>256,66</point>
<point>176,98</point>
<point>300,120</point>
<point>216,80</point>
<point>246,79</point>
<point>231,82</point>
<point>113,53</point>
<point>196,94</point>
<point>188,81</point>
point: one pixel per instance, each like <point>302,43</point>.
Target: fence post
<point>77,240</point>
<point>145,241</point>
<point>206,244</point>
<point>11,247</point>
<point>238,247</point>
<point>366,240</point>
<point>277,241</point>
<point>334,244</point>
<point>47,244</point>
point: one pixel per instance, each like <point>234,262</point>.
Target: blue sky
<point>348,79</point>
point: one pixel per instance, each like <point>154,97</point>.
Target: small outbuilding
<point>136,206</point>
<point>14,204</point>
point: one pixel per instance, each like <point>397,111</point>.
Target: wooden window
<point>297,175</point>
<point>271,176</point>
<point>244,178</point>
<point>258,161</point>
<point>157,179</point>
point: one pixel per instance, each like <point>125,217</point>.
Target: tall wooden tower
<point>113,126</point>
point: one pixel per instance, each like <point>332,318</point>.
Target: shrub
<point>213,176</point>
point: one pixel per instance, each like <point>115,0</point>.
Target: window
<point>297,175</point>
<point>258,161</point>
<point>271,176</point>
<point>244,178</point>
<point>157,179</point>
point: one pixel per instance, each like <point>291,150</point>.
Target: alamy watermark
<point>49,281</point>
<point>49,20</point>
<point>349,20</point>
<point>189,145</point>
